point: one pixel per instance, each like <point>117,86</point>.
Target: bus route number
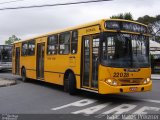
<point>120,74</point>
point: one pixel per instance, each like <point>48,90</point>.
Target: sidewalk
<point>5,82</point>
<point>155,76</point>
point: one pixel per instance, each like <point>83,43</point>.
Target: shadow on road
<point>114,98</point>
<point>45,84</point>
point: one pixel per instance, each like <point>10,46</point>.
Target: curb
<point>5,83</point>
<point>155,78</point>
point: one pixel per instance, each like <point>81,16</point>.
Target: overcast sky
<point>25,23</point>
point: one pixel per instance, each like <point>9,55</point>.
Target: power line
<point>50,5</point>
<point>11,1</point>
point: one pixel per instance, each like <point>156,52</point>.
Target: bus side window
<point>31,47</point>
<point>64,43</point>
<point>74,42</point>
<point>24,48</point>
<point>52,44</point>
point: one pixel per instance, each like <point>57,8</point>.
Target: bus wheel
<point>72,84</point>
<point>24,78</point>
<point>66,85</point>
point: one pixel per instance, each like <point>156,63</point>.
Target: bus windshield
<point>125,50</point>
<point>5,53</point>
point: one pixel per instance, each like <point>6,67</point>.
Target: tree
<point>153,25</point>
<point>146,19</point>
<point>11,40</point>
<point>119,16</point>
<point>126,16</point>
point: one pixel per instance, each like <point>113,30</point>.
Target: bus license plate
<point>133,88</point>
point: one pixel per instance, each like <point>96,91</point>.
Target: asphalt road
<point>37,97</point>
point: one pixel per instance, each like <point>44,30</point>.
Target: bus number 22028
<point>120,74</point>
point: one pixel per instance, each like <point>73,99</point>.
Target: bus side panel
<point>55,66</point>
<point>78,81</point>
<point>55,78</point>
<point>29,63</point>
<point>77,67</point>
<point>31,74</point>
<point>13,65</point>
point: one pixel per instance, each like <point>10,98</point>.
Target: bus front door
<point>17,61</point>
<point>40,60</point>
<point>90,61</point>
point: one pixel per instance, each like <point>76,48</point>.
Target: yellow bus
<point>106,57</point>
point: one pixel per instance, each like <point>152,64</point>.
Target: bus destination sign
<point>125,26</point>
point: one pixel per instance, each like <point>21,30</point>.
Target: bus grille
<point>133,81</point>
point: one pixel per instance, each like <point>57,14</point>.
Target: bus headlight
<point>111,82</point>
<point>114,83</point>
<point>147,81</point>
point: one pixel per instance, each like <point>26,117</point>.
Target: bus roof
<point>77,27</point>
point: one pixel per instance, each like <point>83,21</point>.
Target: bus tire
<point>23,74</point>
<point>66,85</point>
<point>72,84</point>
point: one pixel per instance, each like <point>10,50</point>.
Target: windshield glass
<point>125,50</point>
<point>5,53</point>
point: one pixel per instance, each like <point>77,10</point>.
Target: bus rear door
<point>17,61</point>
<point>40,60</point>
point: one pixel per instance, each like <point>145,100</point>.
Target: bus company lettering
<point>51,58</point>
<point>90,30</point>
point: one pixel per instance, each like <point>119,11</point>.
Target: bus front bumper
<point>104,88</point>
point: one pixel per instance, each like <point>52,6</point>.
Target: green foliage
<point>157,38</point>
<point>146,19</point>
<point>153,25</point>
<point>126,16</point>
<point>158,17</point>
<point>11,40</point>
<point>152,22</point>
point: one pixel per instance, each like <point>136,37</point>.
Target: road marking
<point>85,102</point>
<point>150,100</point>
<point>123,108</point>
<point>116,111</point>
<point>146,100</point>
<point>80,103</point>
<point>146,108</point>
<point>91,110</point>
